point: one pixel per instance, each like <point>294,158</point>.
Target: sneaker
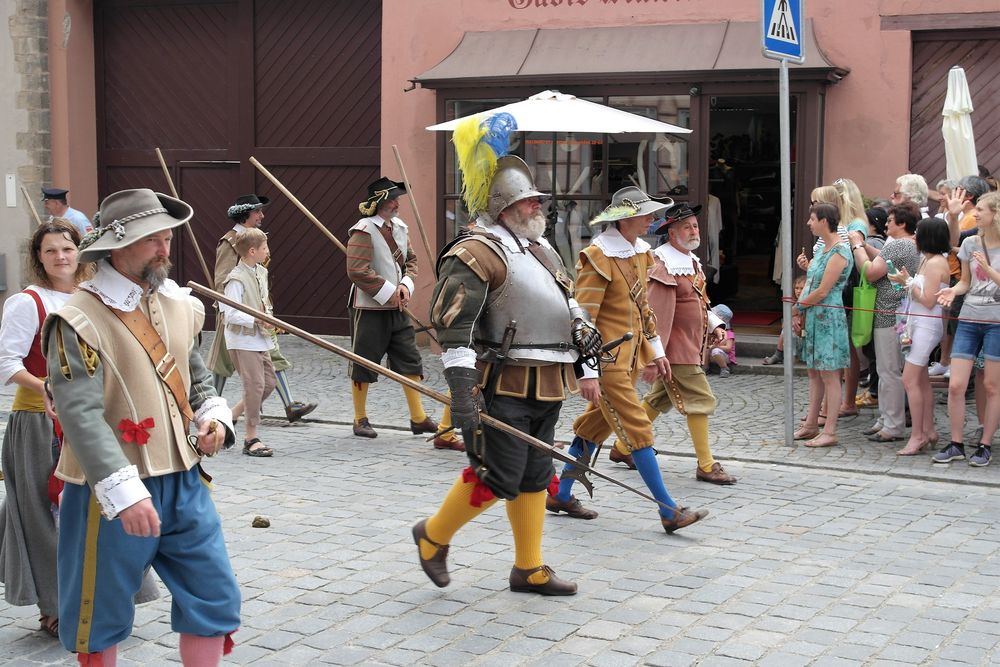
<point>724,373</point>
<point>952,452</point>
<point>937,369</point>
<point>775,358</point>
<point>981,458</point>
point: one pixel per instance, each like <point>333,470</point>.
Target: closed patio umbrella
<point>959,141</point>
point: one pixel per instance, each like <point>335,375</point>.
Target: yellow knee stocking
<point>413,402</point>
<point>454,513</point>
<point>698,427</point>
<point>445,424</point>
<point>526,514</point>
<point>359,392</point>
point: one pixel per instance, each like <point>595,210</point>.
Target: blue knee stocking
<point>284,391</point>
<point>645,462</point>
<point>575,449</point>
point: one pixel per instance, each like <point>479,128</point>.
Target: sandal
<point>823,440</point>
<point>882,437</point>
<point>912,451</point>
<point>259,451</point>
<point>49,625</point>
<point>847,412</point>
<point>805,434</point>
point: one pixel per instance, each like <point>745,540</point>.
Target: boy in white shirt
<point>249,340</point>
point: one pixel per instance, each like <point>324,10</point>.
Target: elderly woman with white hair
<point>911,187</point>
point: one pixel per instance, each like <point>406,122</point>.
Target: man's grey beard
<point>155,273</point>
<point>691,245</point>
<point>531,227</point>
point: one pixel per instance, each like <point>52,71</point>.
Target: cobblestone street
<point>842,556</point>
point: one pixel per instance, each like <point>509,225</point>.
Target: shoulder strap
<point>164,363</point>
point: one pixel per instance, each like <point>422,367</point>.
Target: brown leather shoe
<point>436,567</point>
<point>717,475</point>
<point>682,517</point>
<point>442,442</point>
<point>364,429</point>
<point>554,586</point>
<point>617,457</point>
<point>296,410</point>
<point>573,507</point>
<point>426,426</point>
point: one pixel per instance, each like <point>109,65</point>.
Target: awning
<point>716,51</point>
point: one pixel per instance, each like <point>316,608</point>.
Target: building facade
<point>320,91</point>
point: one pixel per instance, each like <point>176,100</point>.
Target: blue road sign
<point>781,23</point>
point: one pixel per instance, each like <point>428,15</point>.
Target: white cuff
<point>657,347</point>
<point>573,303</point>
<point>590,373</point>
<point>408,282</point>
<point>459,357</point>
<point>119,491</point>
<point>383,294</point>
<point>218,409</point>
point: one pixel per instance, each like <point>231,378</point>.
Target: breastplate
<point>533,298</point>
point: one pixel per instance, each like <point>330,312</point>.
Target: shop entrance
<point>745,176</point>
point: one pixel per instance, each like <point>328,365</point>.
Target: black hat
<point>381,190</point>
<point>245,204</point>
<point>676,213</point>
<point>54,193</point>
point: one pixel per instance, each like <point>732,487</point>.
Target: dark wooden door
<point>294,83</point>
<point>933,55</point>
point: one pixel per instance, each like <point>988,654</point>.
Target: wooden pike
<point>413,203</point>
<point>31,206</point>
<point>187,225</point>
<point>492,422</point>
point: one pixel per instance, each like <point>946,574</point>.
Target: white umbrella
<point>552,111</point>
<point>959,142</point>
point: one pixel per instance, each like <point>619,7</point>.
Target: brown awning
<point>716,51</point>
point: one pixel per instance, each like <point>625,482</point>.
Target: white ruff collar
<point>117,291</point>
<point>613,244</point>
<point>677,262</point>
<point>507,239</point>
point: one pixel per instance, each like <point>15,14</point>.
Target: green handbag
<point>863,315</point>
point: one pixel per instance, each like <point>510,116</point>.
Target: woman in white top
<point>924,328</point>
<point>27,526</point>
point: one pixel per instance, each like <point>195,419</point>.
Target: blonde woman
<point>851,206</point>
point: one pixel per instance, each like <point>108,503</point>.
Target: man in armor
<point>511,331</point>
<point>611,283</point>
<point>679,298</point>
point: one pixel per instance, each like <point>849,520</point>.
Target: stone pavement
<point>834,557</point>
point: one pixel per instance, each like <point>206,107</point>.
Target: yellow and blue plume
<point>479,142</point>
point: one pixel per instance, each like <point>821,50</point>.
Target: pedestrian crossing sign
<point>781,23</point>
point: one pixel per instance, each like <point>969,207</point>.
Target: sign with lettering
<point>781,23</point>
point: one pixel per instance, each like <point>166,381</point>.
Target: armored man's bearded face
<point>525,218</point>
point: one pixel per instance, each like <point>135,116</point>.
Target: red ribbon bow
<point>137,433</point>
<point>480,493</point>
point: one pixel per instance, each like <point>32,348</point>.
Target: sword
<point>417,386</point>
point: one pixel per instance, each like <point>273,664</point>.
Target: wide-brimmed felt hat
<point>129,215</point>
<point>676,213</point>
<point>381,190</point>
<point>245,204</point>
<point>632,202</point>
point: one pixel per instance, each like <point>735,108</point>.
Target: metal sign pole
<point>786,246</point>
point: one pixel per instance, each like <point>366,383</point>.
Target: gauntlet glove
<point>466,399</point>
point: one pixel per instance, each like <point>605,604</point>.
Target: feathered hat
<point>631,202</point>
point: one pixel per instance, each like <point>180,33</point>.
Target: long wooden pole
<point>413,384</point>
<point>413,203</point>
<point>319,225</point>
<point>31,206</point>
<point>187,225</point>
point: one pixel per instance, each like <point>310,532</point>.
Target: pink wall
<point>72,99</point>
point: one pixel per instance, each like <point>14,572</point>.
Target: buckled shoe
<point>519,582</point>
<point>364,429</point>
<point>457,444</point>
<point>296,410</point>
<point>717,475</point>
<point>572,507</point>
<point>617,457</point>
<point>436,567</point>
<point>682,517</point>
<point>428,425</point>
